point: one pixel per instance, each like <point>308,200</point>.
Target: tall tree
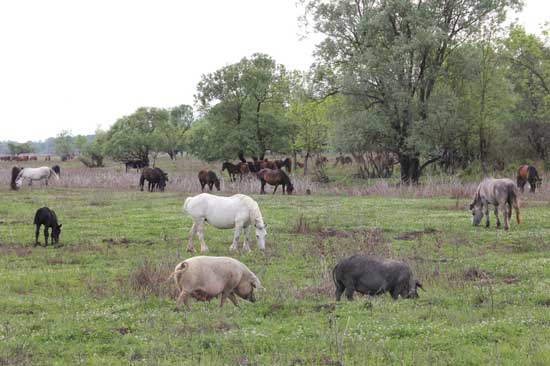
<point>387,57</point>
<point>245,104</point>
<point>64,144</point>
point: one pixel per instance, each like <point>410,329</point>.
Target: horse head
<point>477,210</point>
<point>261,233</point>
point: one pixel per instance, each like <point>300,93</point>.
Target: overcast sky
<point>76,65</point>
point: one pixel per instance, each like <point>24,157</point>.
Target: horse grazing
<point>275,177</point>
<point>528,173</point>
<point>238,211</point>
<point>497,192</point>
<point>233,170</point>
<point>45,216</point>
<point>210,178</point>
<point>156,177</point>
<point>57,170</point>
<point>136,164</point>
<point>32,174</point>
<point>287,163</point>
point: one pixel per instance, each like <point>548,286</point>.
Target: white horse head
<point>261,233</point>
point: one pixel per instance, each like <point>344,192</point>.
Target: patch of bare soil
<point>413,235</point>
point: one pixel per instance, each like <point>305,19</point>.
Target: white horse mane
<point>252,205</point>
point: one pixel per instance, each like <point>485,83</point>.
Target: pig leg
<point>183,297</point>
<point>246,246</point>
<point>233,299</point>
<point>236,236</point>
<point>340,288</point>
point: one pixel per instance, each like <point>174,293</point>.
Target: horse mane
<point>14,173</point>
<point>253,207</point>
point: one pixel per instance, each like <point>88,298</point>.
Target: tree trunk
<point>305,163</point>
<point>411,168</point>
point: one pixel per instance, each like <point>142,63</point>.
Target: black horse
<point>45,216</point>
<point>156,177</point>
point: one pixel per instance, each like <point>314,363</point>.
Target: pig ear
<point>419,285</point>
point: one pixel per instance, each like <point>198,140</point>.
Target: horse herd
<point>205,277</point>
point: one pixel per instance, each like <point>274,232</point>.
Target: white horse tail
<point>52,172</point>
<point>186,203</point>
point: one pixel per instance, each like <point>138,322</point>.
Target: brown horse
<point>232,170</point>
<point>210,178</point>
<point>528,173</point>
<point>14,173</point>
<point>343,160</point>
<point>275,178</point>
<point>156,177</point>
<point>267,164</point>
<point>287,163</point>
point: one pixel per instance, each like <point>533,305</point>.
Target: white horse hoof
<point>232,248</point>
<point>246,249</point>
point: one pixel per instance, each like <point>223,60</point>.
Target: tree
<point>92,153</point>
<point>79,142</point>
<point>130,137</point>
<point>312,125</point>
<point>244,107</point>
<point>64,145</point>
<point>21,148</point>
<point>388,56</point>
<point>529,72</point>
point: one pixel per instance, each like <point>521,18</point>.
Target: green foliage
<point>64,145</point>
<point>92,153</point>
<point>16,148</point>
<point>388,57</point>
<point>244,107</point>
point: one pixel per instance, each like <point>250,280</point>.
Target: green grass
<point>79,303</point>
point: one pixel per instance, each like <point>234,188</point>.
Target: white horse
<point>31,174</point>
<point>238,211</point>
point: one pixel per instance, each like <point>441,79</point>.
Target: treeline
<point>406,83</point>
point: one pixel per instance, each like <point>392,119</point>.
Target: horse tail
<point>186,203</point>
<point>36,218</point>
<point>15,171</point>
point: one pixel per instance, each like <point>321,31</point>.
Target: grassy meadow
<point>102,297</point>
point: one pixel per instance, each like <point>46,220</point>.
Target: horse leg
<point>496,215</point>
<point>210,186</point>
<point>202,186</point>
<point>505,214</point>
<point>236,236</point>
<point>262,191</point>
<point>46,182</point>
<point>200,234</point>
<point>36,235</point>
<point>246,246</point>
<point>190,246</point>
<point>487,213</point>
<point>275,190</point>
<point>46,234</point>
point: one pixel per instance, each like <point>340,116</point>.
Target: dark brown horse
<point>287,163</point>
<point>156,177</point>
<point>14,173</point>
<point>233,170</point>
<point>45,216</point>
<point>210,178</point>
<point>275,178</point>
<point>528,173</point>
<point>136,164</point>
<point>343,160</point>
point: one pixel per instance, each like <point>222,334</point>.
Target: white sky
<point>75,65</point>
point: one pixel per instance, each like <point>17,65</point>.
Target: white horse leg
<point>192,232</point>
<point>200,234</point>
<point>487,212</point>
<point>246,246</point>
<point>505,214</point>
<point>496,215</point>
<point>236,236</point>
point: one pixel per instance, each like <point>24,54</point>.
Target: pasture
<point>102,298</point>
